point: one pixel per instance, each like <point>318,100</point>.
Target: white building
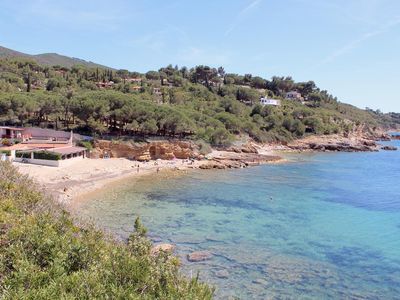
<point>267,101</point>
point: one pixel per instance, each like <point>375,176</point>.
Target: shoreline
<point>70,183</point>
<point>82,177</point>
<point>88,175</point>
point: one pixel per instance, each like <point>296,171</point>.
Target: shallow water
<point>323,226</point>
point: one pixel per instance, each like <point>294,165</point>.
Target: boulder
<point>389,148</point>
<point>383,137</point>
<point>199,256</point>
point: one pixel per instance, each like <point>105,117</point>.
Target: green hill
<point>49,59</point>
<point>200,103</point>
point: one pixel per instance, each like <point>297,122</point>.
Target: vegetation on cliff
<point>43,255</point>
<point>201,103</point>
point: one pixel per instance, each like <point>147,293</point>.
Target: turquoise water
<point>323,226</point>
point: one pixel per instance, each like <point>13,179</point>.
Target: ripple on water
<point>316,229</point>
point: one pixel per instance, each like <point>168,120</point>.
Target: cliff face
<point>146,151</point>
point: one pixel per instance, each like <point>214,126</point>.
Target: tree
<point>258,82</point>
<point>221,137</point>
<point>149,127</point>
<point>315,98</point>
<point>124,74</point>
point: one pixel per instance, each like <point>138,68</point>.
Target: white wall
<point>42,162</point>
<point>51,163</point>
<point>40,132</point>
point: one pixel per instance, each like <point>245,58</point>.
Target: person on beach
<point>138,168</point>
<point>158,170</point>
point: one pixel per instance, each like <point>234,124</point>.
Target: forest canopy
<point>197,103</point>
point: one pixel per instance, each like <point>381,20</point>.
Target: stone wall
<point>145,151</point>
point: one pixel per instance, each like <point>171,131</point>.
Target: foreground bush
<point>43,255</point>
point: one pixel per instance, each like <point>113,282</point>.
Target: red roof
<point>12,128</point>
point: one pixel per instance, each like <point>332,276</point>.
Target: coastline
<point>88,175</point>
<point>71,183</point>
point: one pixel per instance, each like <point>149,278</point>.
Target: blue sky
<point>349,47</point>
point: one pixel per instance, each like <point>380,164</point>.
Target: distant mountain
<point>50,59</point>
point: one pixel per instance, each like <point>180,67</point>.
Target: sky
<point>349,47</point>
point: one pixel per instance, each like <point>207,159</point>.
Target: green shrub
<point>221,137</point>
<point>43,255</point>
<point>21,154</point>
<point>6,152</point>
<point>204,148</point>
<point>46,155</point>
<point>6,142</point>
<point>86,144</point>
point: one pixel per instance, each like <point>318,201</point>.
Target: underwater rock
<point>199,256</point>
<point>162,247</point>
<point>222,274</point>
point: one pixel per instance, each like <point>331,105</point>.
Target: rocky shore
<point>355,142</point>
<point>335,143</point>
<point>226,159</point>
<point>241,155</point>
<point>233,157</point>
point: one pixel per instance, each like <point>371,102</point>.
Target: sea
<point>320,226</point>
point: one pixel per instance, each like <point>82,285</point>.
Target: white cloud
<point>159,41</point>
<point>359,40</point>
<point>90,14</point>
<point>195,56</point>
<point>241,14</point>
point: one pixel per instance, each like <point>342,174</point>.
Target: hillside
<point>201,103</point>
<point>49,59</point>
<point>45,256</point>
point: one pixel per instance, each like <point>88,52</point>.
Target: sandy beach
<point>87,175</point>
<point>84,176</point>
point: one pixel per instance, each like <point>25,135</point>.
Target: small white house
<point>267,101</point>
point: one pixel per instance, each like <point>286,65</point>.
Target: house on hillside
<point>134,80</point>
<point>294,95</point>
<point>11,132</point>
<point>105,85</point>
<point>44,147</point>
<point>136,88</point>
<point>267,101</point>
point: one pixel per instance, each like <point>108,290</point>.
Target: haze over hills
<point>50,59</point>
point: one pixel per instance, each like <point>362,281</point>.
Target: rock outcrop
<point>389,148</point>
<point>234,160</point>
<point>145,151</point>
<point>335,143</point>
